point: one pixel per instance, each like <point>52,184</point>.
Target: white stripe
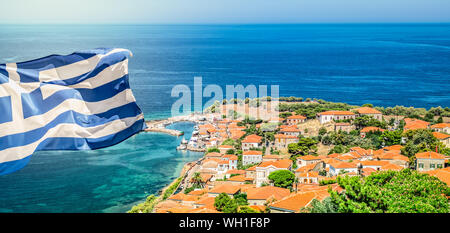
<point>74,69</point>
<point>15,90</point>
<point>72,131</point>
<point>107,75</point>
<point>80,106</point>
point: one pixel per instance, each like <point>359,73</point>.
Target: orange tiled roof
<point>260,208</point>
<point>413,124</point>
<point>306,168</point>
<point>252,139</point>
<point>309,174</point>
<point>391,166</point>
<point>284,136</point>
<point>283,163</point>
<point>371,128</point>
<point>367,110</point>
<point>393,147</point>
<point>292,128</point>
<point>295,202</point>
<point>343,165</point>
<point>238,178</point>
<point>440,136</point>
<point>266,192</point>
<point>252,152</point>
<point>234,171</point>
<point>336,113</point>
<point>225,147</point>
<point>443,174</point>
<point>225,188</point>
<point>429,155</point>
<point>440,126</point>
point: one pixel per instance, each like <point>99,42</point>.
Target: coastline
<point>194,118</point>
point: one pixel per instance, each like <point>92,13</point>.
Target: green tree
<point>405,191</point>
<point>197,180</point>
<point>389,138</point>
<point>225,204</point>
<point>419,140</point>
<point>304,146</point>
<point>229,152</point>
<point>214,149</point>
<point>241,199</point>
<point>282,178</point>
<point>246,210</point>
<point>325,206</point>
<point>228,142</point>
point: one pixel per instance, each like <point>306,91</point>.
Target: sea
<point>382,64</point>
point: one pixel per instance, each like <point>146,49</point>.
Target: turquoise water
<point>105,180</point>
<point>383,64</point>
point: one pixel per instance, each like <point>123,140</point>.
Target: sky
<point>223,11</point>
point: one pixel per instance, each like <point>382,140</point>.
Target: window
<point>432,165</point>
<point>420,165</point>
<point>439,166</point>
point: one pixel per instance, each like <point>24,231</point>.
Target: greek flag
<point>80,101</point>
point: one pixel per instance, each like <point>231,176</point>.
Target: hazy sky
<point>223,11</point>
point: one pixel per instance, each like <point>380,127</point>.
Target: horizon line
<point>224,23</point>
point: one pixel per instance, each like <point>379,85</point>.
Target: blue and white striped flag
<point>80,101</point>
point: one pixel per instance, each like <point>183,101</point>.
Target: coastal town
<point>305,158</point>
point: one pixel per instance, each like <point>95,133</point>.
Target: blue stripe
<point>4,76</point>
<point>75,144</point>
<point>101,65</point>
<point>12,166</point>
<point>6,109</point>
<point>33,103</point>
<point>29,70</point>
<point>21,139</point>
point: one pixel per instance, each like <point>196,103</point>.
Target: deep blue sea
<point>382,64</point>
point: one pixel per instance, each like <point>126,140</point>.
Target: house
<point>307,160</point>
<point>311,177</point>
<point>367,111</point>
<point>282,141</point>
<point>263,195</point>
<point>235,172</point>
<point>443,137</point>
<point>413,124</point>
<point>264,169</point>
<point>441,127</point>
<point>337,168</point>
<point>239,179</point>
<point>229,189</point>
<point>442,174</point>
<point>328,116</point>
<point>292,130</point>
<point>368,129</point>
<point>251,141</point>
<point>343,126</point>
<point>251,172</point>
<point>426,161</point>
<point>295,119</point>
<point>224,148</point>
<point>232,161</point>
<point>251,157</point>
<point>295,202</point>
